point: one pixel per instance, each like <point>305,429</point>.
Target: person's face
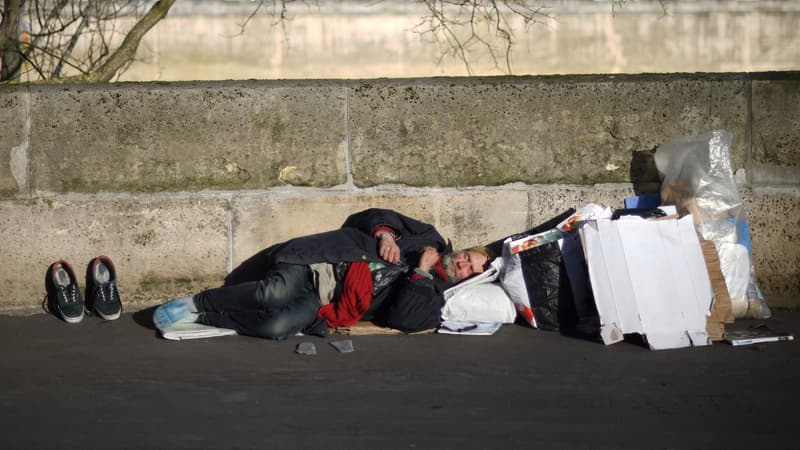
<point>469,263</point>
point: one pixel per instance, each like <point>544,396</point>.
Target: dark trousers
<point>281,305</point>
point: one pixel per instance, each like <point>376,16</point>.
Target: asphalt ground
<point>119,385</point>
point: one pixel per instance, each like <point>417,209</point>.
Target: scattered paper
<point>344,346</point>
<point>182,331</point>
<point>305,348</point>
<point>469,328</point>
<point>756,335</point>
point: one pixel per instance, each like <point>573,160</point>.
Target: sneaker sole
<point>72,319</point>
<point>114,316</point>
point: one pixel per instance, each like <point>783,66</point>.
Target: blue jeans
<point>281,305</point>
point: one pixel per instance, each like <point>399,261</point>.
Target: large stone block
<point>492,131</point>
<point>774,218</point>
<point>478,217</point>
<point>776,122</point>
<point>467,218</point>
<point>161,247</point>
<point>13,143</point>
<point>550,201</point>
<point>186,136</point>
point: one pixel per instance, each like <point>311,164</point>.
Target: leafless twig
<point>459,26</point>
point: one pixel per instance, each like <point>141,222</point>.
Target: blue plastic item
<point>643,201</point>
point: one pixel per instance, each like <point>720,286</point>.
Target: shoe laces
<point>111,287</point>
<point>69,293</point>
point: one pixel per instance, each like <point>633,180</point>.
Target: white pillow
<point>484,302</point>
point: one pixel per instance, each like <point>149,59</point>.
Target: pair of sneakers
<point>102,293</point>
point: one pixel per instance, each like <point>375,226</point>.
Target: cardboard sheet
<point>648,277</point>
<point>369,328</point>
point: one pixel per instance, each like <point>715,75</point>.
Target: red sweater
<point>354,300</point>
<point>356,293</point>
<point>357,290</point>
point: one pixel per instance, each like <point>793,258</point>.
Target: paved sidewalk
<point>117,385</point>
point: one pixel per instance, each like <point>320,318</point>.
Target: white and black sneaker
<point>63,295</point>
<point>102,292</point>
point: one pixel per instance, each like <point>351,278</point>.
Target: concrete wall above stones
<point>543,130</point>
<point>187,137</point>
<point>178,183</point>
<point>448,132</point>
<point>776,141</point>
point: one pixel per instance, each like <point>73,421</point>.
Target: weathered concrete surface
<point>467,218</point>
<point>186,137</point>
<point>466,132</point>
<point>13,145</point>
<point>161,247</point>
<point>470,218</point>
<point>548,202</point>
<point>774,219</point>
<point>776,123</point>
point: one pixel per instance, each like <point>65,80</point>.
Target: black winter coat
<point>407,305</point>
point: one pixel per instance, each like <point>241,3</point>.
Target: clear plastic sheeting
<point>697,176</point>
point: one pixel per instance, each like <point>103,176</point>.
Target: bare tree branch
<point>76,36</point>
<point>35,66</point>
<point>72,42</point>
<point>438,24</point>
<point>279,11</point>
<point>247,19</point>
<point>459,26</point>
<point>127,50</point>
<point>9,42</point>
<point>72,34</point>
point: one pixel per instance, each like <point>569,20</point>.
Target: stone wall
<point>179,182</point>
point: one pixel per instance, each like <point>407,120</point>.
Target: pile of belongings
<point>673,271</point>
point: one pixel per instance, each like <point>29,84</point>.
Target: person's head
<point>466,263</point>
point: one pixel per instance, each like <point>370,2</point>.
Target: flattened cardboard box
<point>650,278</point>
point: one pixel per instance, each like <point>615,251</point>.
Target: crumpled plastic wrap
<point>697,176</point>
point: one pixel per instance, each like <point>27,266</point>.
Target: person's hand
<point>428,258</point>
<point>388,248</point>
